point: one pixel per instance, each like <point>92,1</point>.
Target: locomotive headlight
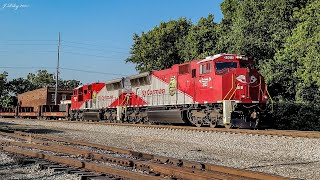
<point>243,96</point>
<point>265,97</point>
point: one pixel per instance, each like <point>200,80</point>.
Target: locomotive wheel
<point>228,126</point>
<point>147,122</point>
<point>196,118</point>
<point>139,120</point>
<point>197,124</point>
<point>213,124</point>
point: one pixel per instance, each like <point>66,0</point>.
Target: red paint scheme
<point>84,93</point>
<point>131,100</point>
<point>235,83</point>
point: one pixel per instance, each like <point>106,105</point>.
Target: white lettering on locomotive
<point>150,92</point>
<point>205,81</point>
<point>102,98</point>
<point>228,57</point>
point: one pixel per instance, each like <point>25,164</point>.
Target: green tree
<point>20,85</point>
<point>4,93</point>
<point>69,84</point>
<point>8,100</point>
<point>3,83</point>
<point>41,79</point>
<point>200,41</point>
<point>295,71</point>
<point>256,28</point>
<point>229,10</point>
<point>159,48</point>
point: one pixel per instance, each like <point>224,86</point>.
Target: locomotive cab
<point>235,84</point>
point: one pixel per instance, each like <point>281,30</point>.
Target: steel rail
<point>189,165</point>
<point>268,132</point>
<point>81,164</point>
<point>165,170</point>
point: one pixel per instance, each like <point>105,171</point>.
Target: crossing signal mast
<point>57,75</point>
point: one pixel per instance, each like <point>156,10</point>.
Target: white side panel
<point>159,93</point>
<point>105,98</point>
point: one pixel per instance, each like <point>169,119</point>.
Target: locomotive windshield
<point>225,65</point>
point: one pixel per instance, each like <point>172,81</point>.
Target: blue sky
<point>95,35</point>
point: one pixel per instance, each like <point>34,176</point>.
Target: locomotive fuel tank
<point>174,116</point>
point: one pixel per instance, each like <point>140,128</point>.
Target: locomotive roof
<point>207,59</point>
<point>136,76</point>
<point>114,81</point>
<point>139,75</point>
<point>241,58</point>
<point>211,58</point>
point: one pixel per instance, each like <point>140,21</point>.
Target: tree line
<point>9,89</point>
<point>282,35</point>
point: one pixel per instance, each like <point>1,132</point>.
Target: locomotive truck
<point>220,90</point>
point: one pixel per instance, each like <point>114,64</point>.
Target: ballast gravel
<point>11,169</point>
<point>284,156</point>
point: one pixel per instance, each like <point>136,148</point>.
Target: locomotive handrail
<point>270,98</point>
<point>125,100</point>
<point>230,89</point>
<point>233,92</point>
<point>259,88</point>
<point>255,85</point>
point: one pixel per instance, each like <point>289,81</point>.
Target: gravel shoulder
<point>285,156</point>
<point>10,168</point>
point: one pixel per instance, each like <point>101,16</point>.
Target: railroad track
<point>266,132</point>
<point>117,162</point>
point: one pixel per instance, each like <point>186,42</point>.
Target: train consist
<point>220,90</point>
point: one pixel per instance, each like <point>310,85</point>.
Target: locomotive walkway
<point>116,162</point>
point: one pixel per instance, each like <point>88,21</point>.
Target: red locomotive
<point>223,89</point>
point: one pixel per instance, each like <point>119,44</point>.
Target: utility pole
<point>57,75</point>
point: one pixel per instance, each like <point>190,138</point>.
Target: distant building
<point>43,96</point>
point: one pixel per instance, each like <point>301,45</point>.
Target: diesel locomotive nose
<point>248,87</point>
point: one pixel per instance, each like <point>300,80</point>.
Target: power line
<point>27,51</point>
<point>95,49</point>
<point>27,44</point>
<point>26,67</point>
<point>47,40</point>
<point>47,67</point>
<point>24,40</point>
<point>99,56</point>
<point>79,70</point>
<point>68,52</point>
<point>87,44</point>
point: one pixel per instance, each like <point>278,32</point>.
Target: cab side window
<point>205,68</point>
